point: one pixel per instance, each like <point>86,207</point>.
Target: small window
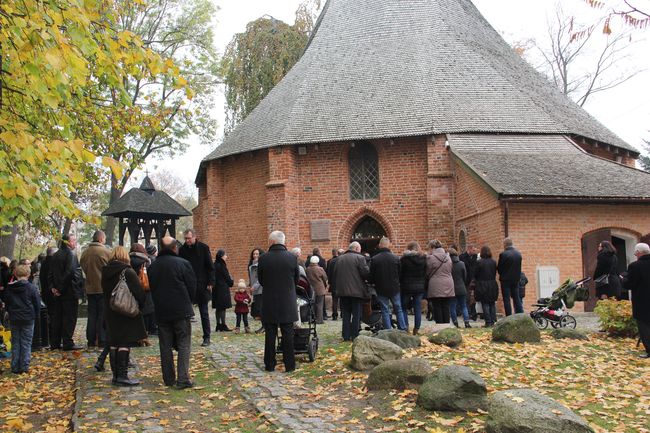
<point>364,172</point>
<point>462,240</point>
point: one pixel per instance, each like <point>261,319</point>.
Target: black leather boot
<point>123,370</point>
<point>467,325</point>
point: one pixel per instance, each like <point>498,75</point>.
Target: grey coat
<point>459,274</point>
<point>441,283</point>
<point>350,275</point>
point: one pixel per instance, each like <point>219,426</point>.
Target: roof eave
<point>523,198</point>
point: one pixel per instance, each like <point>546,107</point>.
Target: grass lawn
<point>600,379</point>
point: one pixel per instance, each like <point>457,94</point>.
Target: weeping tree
<point>257,59</point>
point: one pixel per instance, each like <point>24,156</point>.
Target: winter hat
<point>314,259</point>
<point>241,284</point>
<point>151,249</point>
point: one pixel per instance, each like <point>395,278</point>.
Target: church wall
<point>551,235</point>
<point>323,194</point>
<point>232,214</point>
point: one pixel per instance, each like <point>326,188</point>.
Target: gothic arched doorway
<point>368,232</point>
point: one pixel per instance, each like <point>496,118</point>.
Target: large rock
<point>518,328</point>
<point>401,338</point>
<point>368,352</point>
<point>528,411</point>
<point>448,337</point>
<point>571,334</point>
<point>453,388</point>
<point>399,374</point>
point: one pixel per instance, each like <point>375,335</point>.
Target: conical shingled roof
<point>391,68</point>
<point>146,202</point>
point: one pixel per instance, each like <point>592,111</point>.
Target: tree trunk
<point>8,241</point>
<point>111,222</point>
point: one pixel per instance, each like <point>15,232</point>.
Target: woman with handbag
<point>124,299</point>
<point>606,278</point>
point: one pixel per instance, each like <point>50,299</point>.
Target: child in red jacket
<point>242,304</point>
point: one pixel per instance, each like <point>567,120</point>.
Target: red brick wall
<point>551,235</point>
<point>232,210</point>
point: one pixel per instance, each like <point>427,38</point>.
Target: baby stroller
<point>371,313</point>
<point>553,310</point>
<point>305,339</point>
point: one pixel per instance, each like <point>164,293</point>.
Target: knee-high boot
<point>123,370</point>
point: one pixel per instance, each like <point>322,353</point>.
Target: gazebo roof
<point>394,68</point>
<point>146,202</point>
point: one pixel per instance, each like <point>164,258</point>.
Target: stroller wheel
<point>312,348</point>
<point>568,321</point>
<point>541,322</point>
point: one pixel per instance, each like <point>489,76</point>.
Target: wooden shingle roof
<point>146,202</point>
<point>393,68</point>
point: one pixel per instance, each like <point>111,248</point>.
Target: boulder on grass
<point>368,352</point>
<point>399,374</point>
<point>526,410</point>
<point>448,337</point>
<point>571,334</point>
<point>518,328</point>
<point>401,338</point>
<point>453,388</point>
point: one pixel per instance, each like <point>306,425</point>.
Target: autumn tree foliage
<point>632,13</point>
<point>72,75</point>
<point>257,59</point>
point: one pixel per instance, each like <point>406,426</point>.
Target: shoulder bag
<point>144,278</point>
<point>122,300</point>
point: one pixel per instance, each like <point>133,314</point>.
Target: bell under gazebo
<point>145,211</point>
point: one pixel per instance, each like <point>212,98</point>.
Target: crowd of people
<point>162,289</point>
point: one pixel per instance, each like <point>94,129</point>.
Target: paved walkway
<point>282,400</point>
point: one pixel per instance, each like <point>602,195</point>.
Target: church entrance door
<point>368,232</point>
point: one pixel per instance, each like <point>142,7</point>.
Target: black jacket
<point>486,289</point>
<point>201,260</point>
<point>471,262</point>
<point>384,272</point>
<point>509,266</point>
<point>638,281</point>
<point>65,274</point>
<point>221,299</point>
<point>173,287</point>
<point>22,301</point>
<point>413,273</point>
<point>330,274</point>
<point>44,278</point>
<point>607,264</point>
<point>123,331</point>
<point>278,273</point>
<point>138,260</point>
<point>459,274</point>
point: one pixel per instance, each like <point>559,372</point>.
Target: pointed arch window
<point>363,164</point>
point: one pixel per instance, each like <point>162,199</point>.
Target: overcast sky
<point>625,109</point>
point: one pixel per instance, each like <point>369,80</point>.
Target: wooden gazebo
<point>143,211</point>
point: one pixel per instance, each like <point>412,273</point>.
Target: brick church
<point>414,119</point>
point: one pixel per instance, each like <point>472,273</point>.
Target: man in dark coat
<point>350,275</point>
<point>330,272</point>
<point>509,268</point>
<point>65,284</point>
<point>173,287</point>
<point>198,254</point>
<point>384,274</point>
<point>278,273</point>
<point>638,281</point>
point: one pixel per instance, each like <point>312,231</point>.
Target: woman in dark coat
<point>254,284</point>
<point>140,258</point>
<point>607,264</point>
<point>486,288</point>
<point>221,299</point>
<point>123,332</point>
<point>413,282</point>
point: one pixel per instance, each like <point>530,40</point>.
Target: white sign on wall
<point>548,279</point>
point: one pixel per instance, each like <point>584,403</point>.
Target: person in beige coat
<point>318,281</point>
<point>93,259</point>
<point>440,286</point>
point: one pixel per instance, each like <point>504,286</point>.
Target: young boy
<point>23,304</point>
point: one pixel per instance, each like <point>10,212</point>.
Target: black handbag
<point>601,281</point>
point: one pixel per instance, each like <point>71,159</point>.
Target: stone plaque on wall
<point>320,230</point>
